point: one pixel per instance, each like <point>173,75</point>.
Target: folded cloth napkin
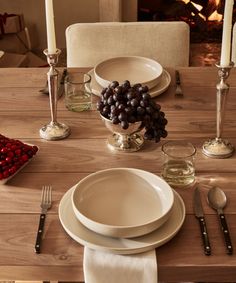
<point>104,267</point>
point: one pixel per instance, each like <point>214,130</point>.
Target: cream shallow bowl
<point>132,68</point>
<point>122,202</point>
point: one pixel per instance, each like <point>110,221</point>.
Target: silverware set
<point>217,200</point>
<point>46,203</point>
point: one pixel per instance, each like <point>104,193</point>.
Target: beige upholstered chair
<point>233,57</point>
<point>90,43</point>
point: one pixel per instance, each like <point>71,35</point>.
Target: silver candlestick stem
<point>53,130</point>
<point>217,147</point>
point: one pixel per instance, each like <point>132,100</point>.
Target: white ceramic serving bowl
<point>122,202</point>
<point>132,68</point>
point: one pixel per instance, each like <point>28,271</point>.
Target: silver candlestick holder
<point>217,147</point>
<point>54,130</point>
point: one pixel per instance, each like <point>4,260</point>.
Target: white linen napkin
<point>104,267</point>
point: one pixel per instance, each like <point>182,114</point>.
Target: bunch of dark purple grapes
<point>124,104</point>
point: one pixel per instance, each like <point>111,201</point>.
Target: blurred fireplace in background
<point>205,17</point>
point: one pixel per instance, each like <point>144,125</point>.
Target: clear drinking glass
<point>178,167</point>
<point>78,91</point>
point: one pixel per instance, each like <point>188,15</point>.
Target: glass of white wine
<point>78,91</point>
<point>178,166</point>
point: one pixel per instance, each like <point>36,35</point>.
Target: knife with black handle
<point>200,216</point>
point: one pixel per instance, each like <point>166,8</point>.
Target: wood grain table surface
<point>24,110</point>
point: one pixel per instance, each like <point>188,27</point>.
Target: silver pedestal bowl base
<point>127,140</point>
<point>128,143</point>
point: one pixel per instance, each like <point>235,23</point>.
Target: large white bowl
<point>122,202</point>
<point>132,68</point>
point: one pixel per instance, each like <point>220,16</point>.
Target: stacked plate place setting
<point>135,69</point>
<point>122,211</point>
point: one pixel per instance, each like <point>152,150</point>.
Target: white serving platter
<point>86,237</point>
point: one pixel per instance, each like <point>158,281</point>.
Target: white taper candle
<point>227,31</point>
<point>51,37</point>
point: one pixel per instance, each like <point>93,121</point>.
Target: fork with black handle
<point>178,89</point>
<point>46,202</point>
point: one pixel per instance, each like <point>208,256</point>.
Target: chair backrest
<point>90,43</point>
<point>233,57</point>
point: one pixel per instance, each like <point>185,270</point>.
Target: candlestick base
<point>218,148</point>
<point>54,131</point>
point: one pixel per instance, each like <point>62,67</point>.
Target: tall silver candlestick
<point>54,130</point>
<point>217,147</point>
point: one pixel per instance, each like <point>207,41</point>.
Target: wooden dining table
<point>62,164</point>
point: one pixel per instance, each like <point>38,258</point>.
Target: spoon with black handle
<point>217,200</point>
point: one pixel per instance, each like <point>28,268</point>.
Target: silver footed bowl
<point>128,140</point>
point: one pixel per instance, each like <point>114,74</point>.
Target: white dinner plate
<point>157,90</point>
<point>86,237</point>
